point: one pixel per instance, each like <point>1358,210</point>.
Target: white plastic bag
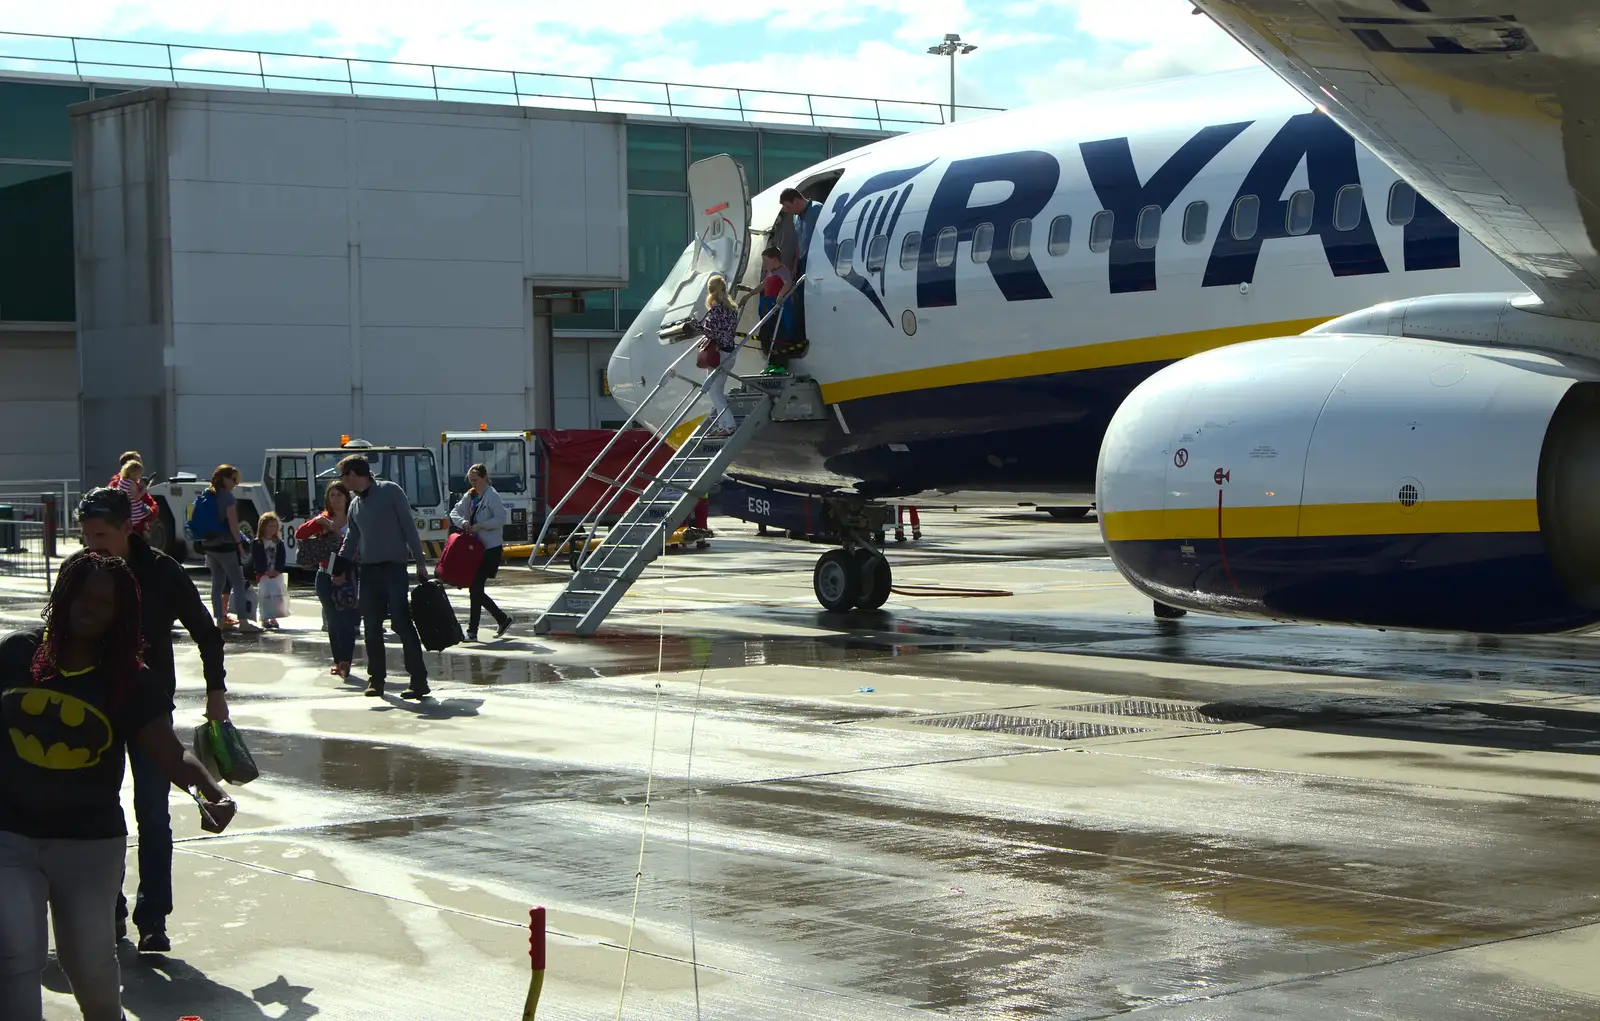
<point>272,598</point>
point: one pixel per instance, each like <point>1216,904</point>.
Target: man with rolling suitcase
<point>381,534</point>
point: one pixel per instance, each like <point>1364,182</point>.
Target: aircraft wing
<point>1489,108</point>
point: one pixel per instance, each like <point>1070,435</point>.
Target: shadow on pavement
<point>158,987</point>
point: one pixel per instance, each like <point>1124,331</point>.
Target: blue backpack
<point>204,521</point>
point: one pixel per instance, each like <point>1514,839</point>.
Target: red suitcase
<point>458,564</point>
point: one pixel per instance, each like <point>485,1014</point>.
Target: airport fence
<point>99,60</point>
<point>28,550</point>
<point>25,499</point>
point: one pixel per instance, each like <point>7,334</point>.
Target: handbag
<point>346,595</point>
<point>313,552</point>
<point>708,357</point>
<point>221,750</point>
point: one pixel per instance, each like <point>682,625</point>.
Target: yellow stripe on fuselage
<point>1327,519</point>
<point>1165,348</point>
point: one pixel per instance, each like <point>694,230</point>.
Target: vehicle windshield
<point>414,469</point>
<point>505,459</point>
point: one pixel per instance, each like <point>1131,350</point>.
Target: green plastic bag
<point>221,749</point>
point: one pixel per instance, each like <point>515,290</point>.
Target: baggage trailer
<point>532,469</point>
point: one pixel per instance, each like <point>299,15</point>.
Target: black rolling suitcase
<point>434,617</point>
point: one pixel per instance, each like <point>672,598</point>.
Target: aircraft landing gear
<point>852,579</point>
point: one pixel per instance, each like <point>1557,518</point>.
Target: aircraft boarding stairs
<point>603,574</point>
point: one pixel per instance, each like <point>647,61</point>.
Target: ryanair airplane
<point>1143,298</point>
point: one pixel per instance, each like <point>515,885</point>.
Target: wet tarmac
<point>1037,805</point>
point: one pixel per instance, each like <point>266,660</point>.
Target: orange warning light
<point>483,427</point>
<point>344,439</point>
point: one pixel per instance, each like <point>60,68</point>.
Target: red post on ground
<point>536,955</point>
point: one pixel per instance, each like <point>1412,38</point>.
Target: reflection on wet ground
<point>1203,819</point>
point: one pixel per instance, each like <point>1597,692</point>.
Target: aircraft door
<point>719,197</point>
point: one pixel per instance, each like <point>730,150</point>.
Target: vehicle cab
<point>510,458</point>
<point>296,478</point>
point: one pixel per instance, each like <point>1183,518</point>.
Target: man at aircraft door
<point>805,214</point>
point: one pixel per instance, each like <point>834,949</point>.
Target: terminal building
<point>202,271</point>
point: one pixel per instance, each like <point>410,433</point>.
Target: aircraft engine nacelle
<point>1361,479</point>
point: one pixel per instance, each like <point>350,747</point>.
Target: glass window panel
<point>1147,229</point>
<point>598,314</point>
<point>505,459</point>
<point>1297,218</point>
<point>847,254</point>
<point>944,247</point>
<point>910,250</point>
<point>1021,239</point>
<point>656,158</point>
<point>33,120</point>
<point>1060,235</point>
<point>1402,203</point>
<point>982,242</point>
<point>741,145</point>
<point>1194,222</point>
<point>36,267</point>
<point>844,143</point>
<point>1100,230</point>
<point>1246,215</point>
<point>783,155</point>
<point>1348,207</point>
<point>658,231</point>
<point>877,253</point>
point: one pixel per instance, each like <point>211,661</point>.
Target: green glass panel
<point>36,244</point>
<point>33,120</point>
<point>658,231</point>
<point>741,145</point>
<point>655,158</point>
<point>597,313</point>
<point>102,91</point>
<point>784,154</point>
<point>844,143</point>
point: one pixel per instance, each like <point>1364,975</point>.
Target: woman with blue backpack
<point>214,523</point>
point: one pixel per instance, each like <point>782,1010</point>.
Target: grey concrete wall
<point>120,221</point>
<point>38,404</point>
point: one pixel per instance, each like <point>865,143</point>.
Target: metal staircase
<point>663,500</point>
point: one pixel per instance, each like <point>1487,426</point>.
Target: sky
<point>1028,50</point>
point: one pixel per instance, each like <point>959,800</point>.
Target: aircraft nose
<point>622,377</point>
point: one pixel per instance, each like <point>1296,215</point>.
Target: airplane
<point>1143,298</point>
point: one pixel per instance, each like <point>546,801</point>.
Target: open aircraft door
<point>719,196</point>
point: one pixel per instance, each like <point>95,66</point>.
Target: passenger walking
<point>63,837</point>
<point>150,508</point>
<point>168,597</point>
<point>225,549</point>
<point>381,534</point>
<point>719,325</point>
<point>130,480</point>
<point>343,619</point>
<point>268,558</point>
<point>482,513</point>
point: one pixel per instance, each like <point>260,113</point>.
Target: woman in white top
<point>481,512</point>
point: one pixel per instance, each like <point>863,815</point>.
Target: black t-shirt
<point>61,762</point>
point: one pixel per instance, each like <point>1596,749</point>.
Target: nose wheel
<point>852,579</point>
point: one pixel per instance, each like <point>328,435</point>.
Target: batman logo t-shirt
<point>62,746</point>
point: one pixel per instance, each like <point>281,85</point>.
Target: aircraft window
<point>982,242</point>
<point>847,252</point>
<point>1297,219</point>
<point>1347,208</point>
<point>1246,213</point>
<point>910,250</point>
<point>1060,235</point>
<point>877,253</point>
<point>1402,203</point>
<point>1194,222</point>
<point>1021,239</point>
<point>944,247</point>
<point>1100,229</point>
<point>1147,229</point>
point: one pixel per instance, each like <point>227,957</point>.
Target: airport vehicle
<point>534,469</point>
<point>293,481</point>
<point>982,299</point>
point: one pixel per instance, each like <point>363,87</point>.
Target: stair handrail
<point>643,455</point>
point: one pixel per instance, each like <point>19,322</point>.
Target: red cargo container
<point>563,455</point>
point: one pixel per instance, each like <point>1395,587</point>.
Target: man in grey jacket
<point>381,534</point>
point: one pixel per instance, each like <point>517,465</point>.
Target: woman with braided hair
<point>73,695</point>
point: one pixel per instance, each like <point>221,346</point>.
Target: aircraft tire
<point>836,580</point>
<point>876,579</point>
